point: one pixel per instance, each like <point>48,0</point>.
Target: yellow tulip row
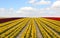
<point>30,31</point>
<point>53,21</point>
<point>9,22</point>
<point>33,33</point>
<point>2,29</point>
<point>27,31</point>
<point>14,31</point>
<point>53,26</point>
<point>52,32</point>
<point>46,31</point>
<point>6,23</point>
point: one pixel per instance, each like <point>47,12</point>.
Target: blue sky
<point>13,4</point>
<point>29,8</point>
<point>18,4</point>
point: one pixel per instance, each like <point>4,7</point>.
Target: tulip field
<point>30,28</point>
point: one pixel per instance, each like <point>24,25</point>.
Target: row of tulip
<point>13,29</point>
<point>46,31</point>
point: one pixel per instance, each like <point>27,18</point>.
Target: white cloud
<point>56,4</point>
<point>39,2</point>
<point>26,9</point>
<point>30,12</point>
<point>57,0</point>
<point>33,12</point>
<point>55,8</point>
<point>53,11</point>
<point>32,1</point>
<point>42,2</point>
<point>7,12</point>
<point>2,10</point>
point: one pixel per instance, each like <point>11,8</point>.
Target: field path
<point>22,31</point>
<point>39,35</point>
